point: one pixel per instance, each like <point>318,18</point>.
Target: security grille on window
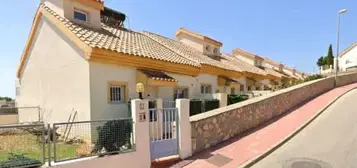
<point>117,94</point>
<point>206,89</point>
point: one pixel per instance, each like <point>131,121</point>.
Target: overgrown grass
<point>31,147</point>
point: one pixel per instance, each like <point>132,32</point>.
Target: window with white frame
<point>80,15</point>
<point>17,91</point>
<point>117,93</point>
<point>206,89</point>
<point>180,93</point>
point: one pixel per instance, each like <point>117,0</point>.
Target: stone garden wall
<point>208,129</point>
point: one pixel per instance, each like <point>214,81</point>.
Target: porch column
<point>159,122</point>
<point>159,103</point>
<point>185,144</point>
<point>222,97</point>
<point>140,114</point>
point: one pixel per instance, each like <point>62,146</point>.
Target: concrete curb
<point>287,138</point>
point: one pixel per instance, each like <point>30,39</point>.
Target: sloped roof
<point>189,52</point>
<point>157,75</point>
<point>231,60</point>
<point>199,36</point>
<point>122,40</point>
<point>349,48</point>
<point>245,53</point>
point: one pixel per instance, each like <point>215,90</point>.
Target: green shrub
<point>232,98</point>
<point>113,135</point>
<point>313,77</point>
<point>19,160</point>
<point>195,107</point>
<point>201,106</point>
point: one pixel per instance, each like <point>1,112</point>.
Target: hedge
<point>232,99</point>
<point>201,106</point>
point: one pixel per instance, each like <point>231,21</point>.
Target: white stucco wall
<point>242,81</point>
<point>245,59</point>
<point>198,44</point>
<point>100,74</point>
<point>191,41</point>
<point>166,93</point>
<point>194,85</point>
<point>351,57</point>
<point>268,65</point>
<point>55,77</point>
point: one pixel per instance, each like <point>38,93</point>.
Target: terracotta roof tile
<point>157,75</point>
<point>122,41</point>
<point>189,52</point>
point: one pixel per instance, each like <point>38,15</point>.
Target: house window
<point>207,48</point>
<point>117,92</point>
<point>180,93</point>
<point>241,88</point>
<point>233,90</point>
<point>215,50</point>
<point>17,91</point>
<point>206,89</point>
<point>80,15</point>
<point>249,88</point>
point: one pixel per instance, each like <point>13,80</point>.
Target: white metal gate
<point>163,132</point>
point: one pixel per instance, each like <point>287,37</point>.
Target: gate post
<point>140,115</point>
<point>184,128</point>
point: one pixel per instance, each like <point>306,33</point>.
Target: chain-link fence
<point>73,140</point>
<point>31,145</point>
<point>22,145</point>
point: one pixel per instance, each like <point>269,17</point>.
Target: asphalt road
<point>330,141</point>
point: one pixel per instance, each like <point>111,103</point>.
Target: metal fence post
<point>43,144</point>
<point>49,143</point>
<point>54,139</point>
<point>39,114</point>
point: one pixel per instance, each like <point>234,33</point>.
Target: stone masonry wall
<point>209,129</point>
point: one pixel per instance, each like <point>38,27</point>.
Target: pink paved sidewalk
<point>256,143</point>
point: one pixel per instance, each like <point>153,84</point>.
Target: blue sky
<point>293,32</point>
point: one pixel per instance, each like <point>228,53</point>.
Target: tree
<point>329,57</point>
<point>320,61</point>
<point>6,98</point>
<point>325,61</point>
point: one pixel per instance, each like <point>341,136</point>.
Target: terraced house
<point>80,57</point>
<point>281,74</point>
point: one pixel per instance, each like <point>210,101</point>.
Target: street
<point>328,142</point>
